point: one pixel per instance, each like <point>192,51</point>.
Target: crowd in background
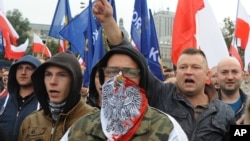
<point>45,100</point>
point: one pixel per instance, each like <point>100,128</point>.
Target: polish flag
<point>242,32</point>
<point>184,27</point>
<point>40,47</point>
<point>233,51</point>
<point>209,36</point>
<point>7,27</point>
<point>62,45</point>
<point>195,26</point>
<point>18,51</point>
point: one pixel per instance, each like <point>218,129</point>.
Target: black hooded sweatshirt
<point>65,60</point>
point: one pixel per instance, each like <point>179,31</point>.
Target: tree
<point>228,31</point>
<point>53,46</point>
<point>20,24</point>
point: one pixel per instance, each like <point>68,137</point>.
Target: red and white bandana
<point>124,104</point>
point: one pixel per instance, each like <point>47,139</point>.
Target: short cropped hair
<point>194,51</point>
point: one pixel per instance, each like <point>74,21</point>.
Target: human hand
<point>102,10</point>
<point>84,91</point>
<point>240,120</point>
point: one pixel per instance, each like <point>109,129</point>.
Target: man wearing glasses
<point>125,113</point>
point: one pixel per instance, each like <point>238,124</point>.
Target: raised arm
<point>103,11</point>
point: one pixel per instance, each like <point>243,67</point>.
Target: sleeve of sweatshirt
<point>155,90</point>
<point>123,42</point>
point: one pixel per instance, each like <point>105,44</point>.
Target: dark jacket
<point>13,115</point>
<point>39,125</point>
<point>212,124</point>
<point>241,111</point>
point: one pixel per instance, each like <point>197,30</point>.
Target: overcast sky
<point>42,11</point>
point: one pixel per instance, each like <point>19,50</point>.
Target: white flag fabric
<point>242,32</point>
<point>40,47</point>
<point>20,48</point>
<point>15,52</point>
<point>209,36</point>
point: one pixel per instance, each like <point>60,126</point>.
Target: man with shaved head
<point>230,76</point>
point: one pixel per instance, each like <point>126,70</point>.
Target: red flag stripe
<point>184,27</point>
<point>242,32</point>
<point>40,47</point>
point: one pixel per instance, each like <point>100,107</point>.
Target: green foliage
<point>228,31</point>
<point>53,46</point>
<point>20,24</point>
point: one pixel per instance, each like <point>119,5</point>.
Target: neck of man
<point>26,90</point>
<point>5,86</point>
<point>198,99</point>
<point>230,97</point>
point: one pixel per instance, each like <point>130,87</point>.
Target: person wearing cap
<point>57,84</point>
<point>21,100</point>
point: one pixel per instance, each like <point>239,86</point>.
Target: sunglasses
<point>127,72</point>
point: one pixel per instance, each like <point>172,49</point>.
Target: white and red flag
<point>184,28</point>
<point>62,45</point>
<point>233,51</point>
<point>195,26</point>
<point>242,29</point>
<point>209,36</point>
<point>6,26</point>
<point>16,52</point>
<point>40,47</point>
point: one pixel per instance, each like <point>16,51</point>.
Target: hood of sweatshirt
<point>126,49</point>
<point>13,86</point>
<point>65,60</point>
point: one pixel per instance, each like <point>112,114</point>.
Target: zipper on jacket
<point>52,132</point>
<point>17,115</point>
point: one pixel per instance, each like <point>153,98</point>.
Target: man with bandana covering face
<point>193,103</point>
<point>125,114</point>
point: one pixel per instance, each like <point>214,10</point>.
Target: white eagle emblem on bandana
<point>120,105</point>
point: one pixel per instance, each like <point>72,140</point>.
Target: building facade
<point>164,21</point>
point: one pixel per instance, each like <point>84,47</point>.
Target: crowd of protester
<point>46,100</point>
